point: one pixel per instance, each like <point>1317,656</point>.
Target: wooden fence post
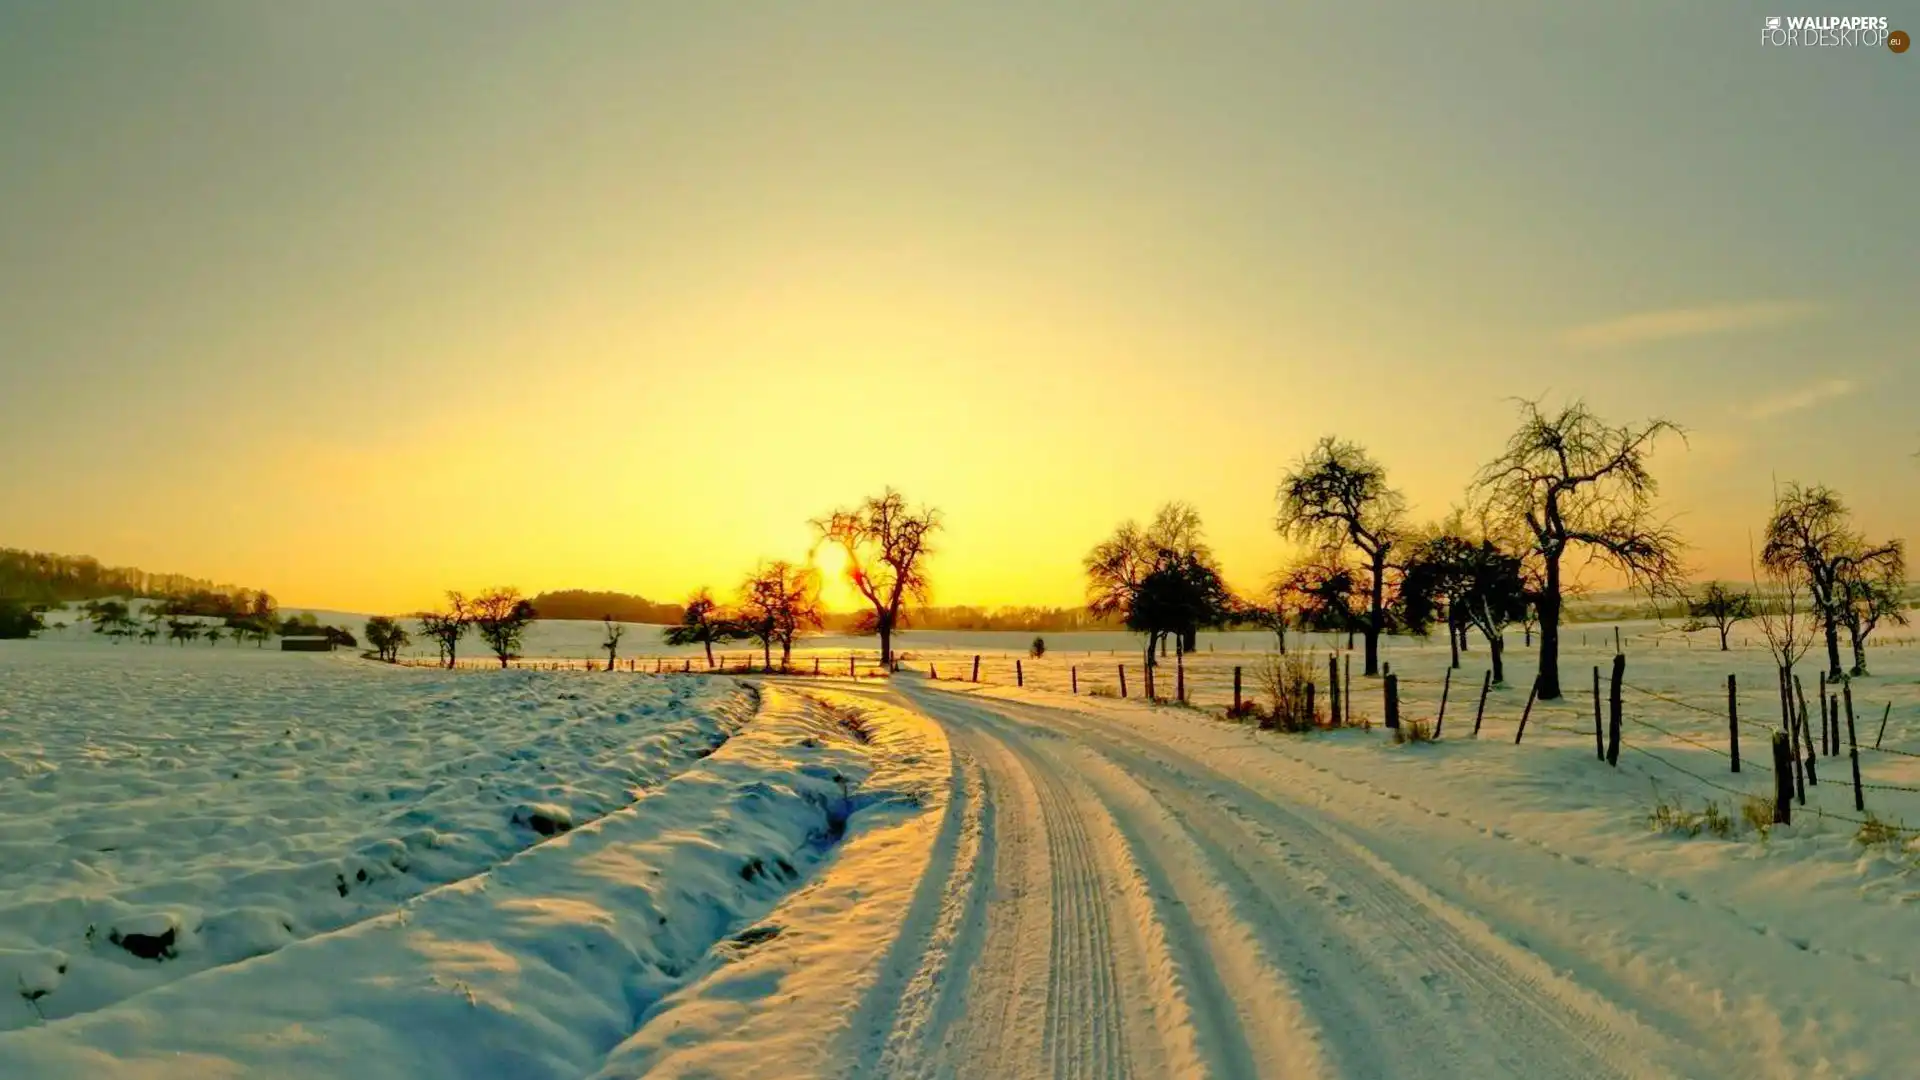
<point>1074,673</point>
<point>1333,689</point>
<point>1733,722</point>
<point>686,666</point>
<point>1528,711</point>
<point>816,665</point>
<point>851,673</point>
<point>1151,696</point>
<point>1826,729</point>
<point>1310,717</point>
<point>1236,692</point>
<point>1613,708</point>
<point>1884,713</point>
<point>1853,748</point>
<point>1782,780</point>
<point>1123,680</point>
<point>976,668</point>
<point>1833,714</point>
<point>1813,768</point>
<point>1486,684</point>
<point>1390,690</point>
<point>1180,677</point>
<point>1791,725</point>
<point>933,672</point>
<point>1599,740</point>
<point>1346,694</point>
<point>1445,687</point>
<point>1019,673</point>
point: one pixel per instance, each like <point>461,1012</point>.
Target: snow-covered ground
<point>912,877</point>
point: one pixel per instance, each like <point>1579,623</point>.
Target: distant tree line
<point>586,605</point>
<point>38,577</point>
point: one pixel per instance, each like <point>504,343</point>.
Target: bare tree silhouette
<point>1571,479</point>
<point>702,623</point>
<point>886,544</point>
<point>1162,580</point>
<point>446,628</point>
<point>1337,497</point>
<point>1719,607</point>
<point>1811,536</point>
<point>611,640</point>
<point>387,637</point>
<point>777,602</point>
<point>502,616</point>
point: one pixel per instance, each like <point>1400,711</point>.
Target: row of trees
<point>886,542</point>
<point>116,619</point>
<point>42,578</point>
<point>1565,483</point>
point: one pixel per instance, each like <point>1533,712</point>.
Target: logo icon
<point>1773,22</point>
<point>1898,41</point>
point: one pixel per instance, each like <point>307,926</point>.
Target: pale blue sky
<point>272,270</point>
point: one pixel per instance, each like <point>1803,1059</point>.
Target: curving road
<point>1104,905</point>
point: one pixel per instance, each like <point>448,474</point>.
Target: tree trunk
<point>709,645</point>
<point>1833,649</point>
<point>1453,639</point>
<point>1724,628</point>
<point>1549,607</point>
<point>1859,652</point>
<point>885,625</point>
<point>766,654</point>
<point>1497,646</point>
<point>1376,616</point>
<point>1282,631</point>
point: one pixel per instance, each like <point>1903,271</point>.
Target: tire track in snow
<point>1401,982</point>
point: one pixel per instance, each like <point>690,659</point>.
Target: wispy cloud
<point>1805,397</point>
<point>1688,322</point>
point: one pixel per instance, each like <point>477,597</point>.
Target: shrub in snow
<point>1285,681</point>
<point>1413,731</point>
<point>544,818</point>
<point>150,936</point>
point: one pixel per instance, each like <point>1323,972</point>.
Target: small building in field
<point>306,643</point>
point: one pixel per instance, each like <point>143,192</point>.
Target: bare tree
<point>1337,497</point>
<point>1278,607</point>
<point>1162,581</point>
<point>387,637</point>
<point>1810,536</point>
<point>886,544</point>
<point>502,616</point>
<point>611,640</point>
<point>1783,624</point>
<point>777,602</point>
<point>1467,582</point>
<point>1569,480</point>
<point>1873,591</point>
<point>701,623</point>
<point>446,628</point>
<point>1719,607</point>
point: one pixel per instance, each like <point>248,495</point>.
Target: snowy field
<point>222,861</point>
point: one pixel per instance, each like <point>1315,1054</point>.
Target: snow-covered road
<point>1113,905</point>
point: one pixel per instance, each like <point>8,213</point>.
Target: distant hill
<point>590,605</point>
<point>40,577</point>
